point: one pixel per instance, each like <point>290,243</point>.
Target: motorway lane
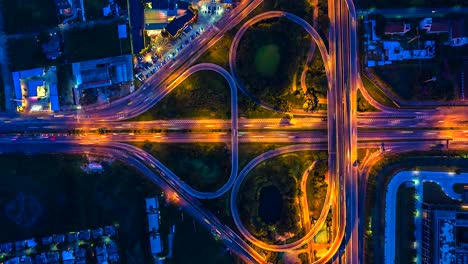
<point>352,246</point>
<point>293,137</point>
<point>413,113</point>
<point>439,119</point>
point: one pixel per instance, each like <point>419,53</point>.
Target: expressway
<point>293,137</point>
<point>439,118</point>
<point>234,126</point>
<point>400,129</point>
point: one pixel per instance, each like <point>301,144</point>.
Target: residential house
<point>53,257</point>
<point>80,256</point>
<point>41,259</point>
<point>31,243</point>
<point>435,25</point>
<point>67,257</point>
<point>20,245</point>
<point>110,231</point>
<point>98,233</point>
<point>84,235</point>
<point>397,28</point>
<point>15,260</point>
<point>152,204</point>
<point>72,237</point>
<point>458,34</point>
<point>25,260</point>
<point>153,221</point>
<point>60,238</point>
<point>6,247</point>
<point>46,240</point>
<point>156,245</point>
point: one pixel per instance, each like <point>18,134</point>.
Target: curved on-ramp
<point>123,153</point>
<point>235,190</point>
<point>267,15</point>
<point>234,135</point>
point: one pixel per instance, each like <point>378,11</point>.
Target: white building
<point>156,245</point>
<point>152,204</point>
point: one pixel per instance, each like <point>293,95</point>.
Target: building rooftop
<point>153,222</point>
<point>151,204</point>
<point>155,19</point>
<point>179,23</point>
<point>156,246</point>
<point>396,28</point>
<point>122,29</point>
<point>32,87</point>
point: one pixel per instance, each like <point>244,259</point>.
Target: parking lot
<point>158,56</point>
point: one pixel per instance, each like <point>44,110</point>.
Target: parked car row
<point>146,69</point>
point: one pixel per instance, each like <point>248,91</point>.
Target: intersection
<point>340,130</point>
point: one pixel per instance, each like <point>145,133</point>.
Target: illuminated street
<point>106,130</point>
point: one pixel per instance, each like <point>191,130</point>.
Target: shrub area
<point>94,42</point>
<point>203,166</point>
<point>283,172</point>
<point>23,16</point>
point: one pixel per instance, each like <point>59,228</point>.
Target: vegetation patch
<point>376,92</point>
<point>284,173</point>
<point>418,81</point>
<point>363,105</point>
<point>58,197</point>
<point>433,194</point>
<point>194,244</point>
<point>22,16</point>
<point>274,80</point>
<point>218,53</point>
<point>94,42</point>
<point>203,166</point>
<point>25,53</point>
<point>205,94</point>
<point>406,206</point>
<point>267,60</point>
<point>65,84</point>
<point>316,189</point>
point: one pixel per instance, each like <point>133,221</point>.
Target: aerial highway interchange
<point>340,130</point>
